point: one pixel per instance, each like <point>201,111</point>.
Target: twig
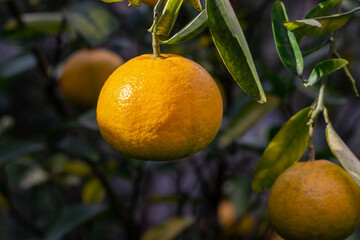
<point>349,75</point>
<point>320,105</point>
<point>314,49</point>
<point>136,190</point>
<point>49,81</point>
<point>14,211</point>
<point>15,11</point>
<point>115,204</point>
<point>118,209</point>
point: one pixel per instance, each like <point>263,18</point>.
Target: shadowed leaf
<point>11,151</point>
<point>322,9</point>
<point>71,217</point>
<point>196,4</point>
<point>110,1</point>
<point>93,191</point>
<point>92,22</point>
<point>285,149</point>
<point>286,43</point>
<point>246,118</point>
<point>16,65</point>
<point>44,22</point>
<point>231,44</point>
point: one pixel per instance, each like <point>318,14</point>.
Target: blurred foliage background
<point>60,180</point>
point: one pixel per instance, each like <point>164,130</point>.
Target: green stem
<point>324,43</point>
<point>320,105</point>
<point>326,116</point>
<point>348,74</point>
<point>313,118</point>
<point>156,46</point>
<point>311,147</point>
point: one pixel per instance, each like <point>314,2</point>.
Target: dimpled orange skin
<point>314,200</point>
<point>159,109</point>
<point>84,74</point>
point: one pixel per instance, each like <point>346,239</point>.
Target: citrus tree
<point>99,98</point>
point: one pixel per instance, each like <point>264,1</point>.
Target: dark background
<point>50,149</point>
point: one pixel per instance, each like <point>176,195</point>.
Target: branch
<point>17,214</point>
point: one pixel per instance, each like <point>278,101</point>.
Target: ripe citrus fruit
<point>159,109</point>
<point>226,213</point>
<point>314,200</point>
<point>84,73</point>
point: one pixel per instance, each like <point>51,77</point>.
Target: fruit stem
<point>320,106</point>
<point>156,46</point>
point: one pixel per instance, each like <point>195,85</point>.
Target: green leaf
<point>91,21</point>
<point>169,229</point>
<point>285,41</point>
<point>279,85</point>
<point>168,17</point>
<point>70,217</point>
<point>93,191</point>
<point>246,118</point>
<point>343,154</point>
<point>285,149</point>
<point>111,1</point>
<point>231,44</point>
<point>4,1</point>
<point>9,152</point>
<point>43,22</point>
<point>4,204</point>
<point>76,168</point>
<point>16,65</point>
<point>324,69</point>
<point>88,120</point>
<point>136,3</point>
<point>322,9</point>
<point>191,30</point>
<point>321,25</point>
<point>196,4</point>
<point>80,148</point>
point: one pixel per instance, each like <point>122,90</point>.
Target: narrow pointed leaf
<point>285,149</point>
<point>16,65</point>
<point>321,25</point>
<point>168,230</point>
<point>196,4</point>
<point>322,9</point>
<point>191,30</point>
<point>136,3</point>
<point>9,152</point>
<point>71,217</point>
<point>44,22</point>
<point>94,23</point>
<point>168,17</point>
<point>286,43</point>
<point>110,1</point>
<point>231,44</point>
<point>324,69</point>
<point>246,118</point>
<point>343,154</point>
